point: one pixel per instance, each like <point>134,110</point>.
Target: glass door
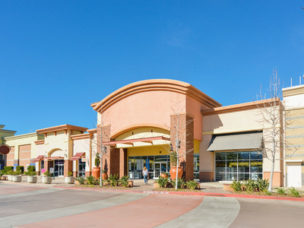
<point>160,167</point>
<point>81,168</point>
<point>58,168</point>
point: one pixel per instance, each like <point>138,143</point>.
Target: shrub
<point>163,182</point>
<point>236,186</point>
<point>19,170</point>
<point>114,180</point>
<point>180,183</point>
<point>80,180</point>
<point>262,185</point>
<point>7,169</point>
<point>251,185</point>
<point>31,168</point>
<point>70,174</point>
<point>97,160</point>
<point>124,181</point>
<point>191,184</point>
<point>91,180</point>
<point>294,192</point>
<point>47,174</point>
<point>281,191</point>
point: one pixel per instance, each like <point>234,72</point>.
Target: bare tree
<point>272,121</point>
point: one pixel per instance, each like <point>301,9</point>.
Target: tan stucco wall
<point>232,122</point>
<point>80,146</point>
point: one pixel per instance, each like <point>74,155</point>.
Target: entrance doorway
<point>81,168</point>
<point>160,167</point>
<point>294,176</point>
<point>155,164</point>
<point>58,168</point>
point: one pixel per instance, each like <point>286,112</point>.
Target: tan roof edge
<point>60,128</point>
<point>92,131</point>
<point>80,136</point>
<point>154,85</point>
<point>241,107</point>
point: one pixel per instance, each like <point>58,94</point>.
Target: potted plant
<point>46,178</point>
<point>96,169</point>
<point>164,175</point>
<point>16,176</point>
<point>31,174</point>
<point>173,161</point>
<point>69,179</point>
<point>104,175</point>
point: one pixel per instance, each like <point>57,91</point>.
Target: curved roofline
<point>155,85</point>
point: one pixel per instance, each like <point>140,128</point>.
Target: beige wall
<point>22,141</point>
<point>232,122</point>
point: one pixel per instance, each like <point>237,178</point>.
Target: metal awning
<point>240,141</point>
<point>77,156</point>
<point>39,158</point>
<point>132,141</point>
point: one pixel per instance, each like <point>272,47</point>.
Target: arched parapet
<point>166,85</point>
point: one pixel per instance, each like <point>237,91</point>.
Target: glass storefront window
<point>196,166</point>
<point>155,165</point>
<point>238,165</point>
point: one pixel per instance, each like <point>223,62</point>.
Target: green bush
<point>70,174</point>
<point>124,181</point>
<point>163,182</point>
<point>180,183</point>
<point>191,184</point>
<point>47,174</point>
<point>97,160</point>
<point>281,191</point>
<point>7,169</point>
<point>236,186</point>
<point>31,168</point>
<point>80,180</point>
<point>19,170</point>
<point>262,185</point>
<point>113,180</point>
<point>294,192</point>
<point>251,185</point>
<point>91,180</point>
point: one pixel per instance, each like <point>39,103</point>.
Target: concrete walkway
<point>213,212</point>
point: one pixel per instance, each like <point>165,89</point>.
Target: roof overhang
<point>132,141</point>
<point>61,128</point>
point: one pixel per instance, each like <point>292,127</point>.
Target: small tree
<point>272,121</point>
<point>97,160</point>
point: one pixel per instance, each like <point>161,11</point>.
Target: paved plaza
<point>24,205</point>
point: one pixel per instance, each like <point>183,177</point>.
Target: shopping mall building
<point>139,124</point>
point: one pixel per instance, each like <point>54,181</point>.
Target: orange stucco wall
<point>152,108</point>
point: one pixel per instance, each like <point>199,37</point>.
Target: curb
<point>214,194</point>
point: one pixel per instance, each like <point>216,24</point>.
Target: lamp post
<point>103,150</point>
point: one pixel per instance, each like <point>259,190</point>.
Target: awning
<point>39,158</point>
<point>132,141</point>
<point>252,140</point>
<point>55,158</point>
<point>77,156</point>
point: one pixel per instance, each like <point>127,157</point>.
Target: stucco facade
<point>139,124</point>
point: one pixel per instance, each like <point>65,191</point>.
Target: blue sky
<point>58,57</point>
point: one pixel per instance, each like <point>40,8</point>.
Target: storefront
<point>232,166</point>
<point>155,165</point>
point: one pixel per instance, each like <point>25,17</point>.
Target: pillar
<point>182,126</point>
<point>122,162</point>
<point>68,167</point>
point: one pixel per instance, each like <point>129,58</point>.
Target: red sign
<point>4,149</point>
